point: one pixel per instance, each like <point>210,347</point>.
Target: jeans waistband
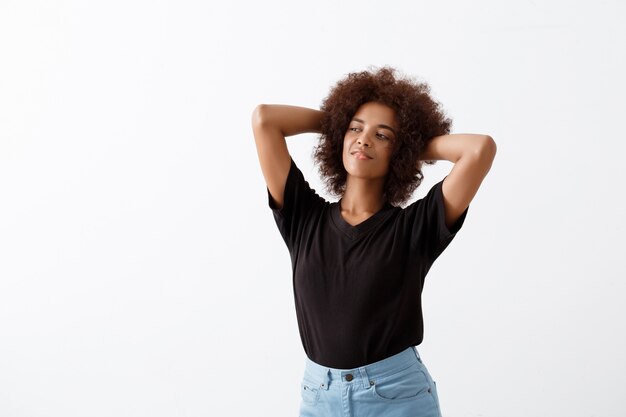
<point>323,375</point>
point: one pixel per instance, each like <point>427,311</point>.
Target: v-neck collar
<point>354,232</point>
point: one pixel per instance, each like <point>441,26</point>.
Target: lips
<point>361,155</point>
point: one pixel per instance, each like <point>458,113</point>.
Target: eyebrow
<point>381,125</point>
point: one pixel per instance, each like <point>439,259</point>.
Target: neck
<point>362,196</point>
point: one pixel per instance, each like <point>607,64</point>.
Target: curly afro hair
<point>419,119</point>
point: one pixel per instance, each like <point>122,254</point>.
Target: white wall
<point>142,273</point>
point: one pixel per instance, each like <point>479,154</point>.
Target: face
<point>373,131</point>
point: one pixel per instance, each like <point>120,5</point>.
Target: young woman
<point>359,264</point>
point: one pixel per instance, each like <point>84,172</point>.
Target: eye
<point>386,138</point>
<point>353,128</point>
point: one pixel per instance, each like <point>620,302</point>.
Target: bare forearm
<point>452,147</point>
<point>291,120</point>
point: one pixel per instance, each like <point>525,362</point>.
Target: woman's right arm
<point>271,123</point>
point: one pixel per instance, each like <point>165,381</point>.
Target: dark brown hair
<point>419,119</point>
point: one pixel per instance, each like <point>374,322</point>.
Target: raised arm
<point>472,155</point>
<point>271,123</point>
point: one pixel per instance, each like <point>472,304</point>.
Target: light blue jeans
<point>397,386</point>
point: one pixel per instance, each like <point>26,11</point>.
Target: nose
<point>364,140</point>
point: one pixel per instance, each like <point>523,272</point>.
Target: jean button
<point>349,377</point>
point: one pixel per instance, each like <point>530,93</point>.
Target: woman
<point>359,264</point>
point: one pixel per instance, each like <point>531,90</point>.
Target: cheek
<point>388,159</point>
<point>347,144</point>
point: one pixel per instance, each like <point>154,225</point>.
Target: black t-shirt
<point>357,289</point>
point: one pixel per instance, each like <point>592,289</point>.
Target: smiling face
<point>372,130</point>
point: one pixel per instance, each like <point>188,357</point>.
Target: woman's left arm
<point>472,155</point>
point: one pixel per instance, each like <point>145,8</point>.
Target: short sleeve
<point>427,221</point>
<point>300,201</point>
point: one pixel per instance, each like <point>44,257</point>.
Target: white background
<point>142,273</point>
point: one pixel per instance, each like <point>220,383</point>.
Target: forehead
<point>376,113</point>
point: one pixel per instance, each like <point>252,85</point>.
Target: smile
<point>361,156</point>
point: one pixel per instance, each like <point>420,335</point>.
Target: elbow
<point>259,114</point>
<point>487,148</point>
<point>483,150</point>
<point>484,155</point>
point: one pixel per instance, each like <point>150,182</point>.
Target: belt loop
<point>325,380</point>
<point>417,353</point>
<point>364,377</point>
